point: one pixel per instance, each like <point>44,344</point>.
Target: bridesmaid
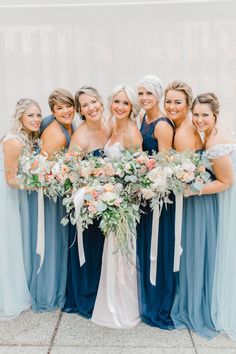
<point>155,298</point>
<point>48,283</point>
<point>91,136</point>
<point>117,301</point>
<point>221,151</point>
<point>192,304</point>
<point>14,293</point>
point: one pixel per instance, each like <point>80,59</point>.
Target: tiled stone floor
<point>57,333</point>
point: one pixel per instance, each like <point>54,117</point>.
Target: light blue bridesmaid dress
<point>224,286</point>
<point>192,304</point>
<point>47,287</point>
<point>14,293</point>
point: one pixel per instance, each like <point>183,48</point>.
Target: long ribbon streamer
<point>154,243</point>
<point>110,273</point>
<point>178,230</point>
<point>40,247</point>
<point>78,202</point>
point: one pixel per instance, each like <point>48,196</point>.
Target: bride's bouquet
<point>105,194</point>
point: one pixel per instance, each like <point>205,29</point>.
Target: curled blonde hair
<point>131,96</point>
<point>17,126</point>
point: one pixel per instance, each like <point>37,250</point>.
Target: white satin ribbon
<point>154,243</point>
<point>78,202</point>
<point>178,230</point>
<point>40,247</point>
<point>110,273</point>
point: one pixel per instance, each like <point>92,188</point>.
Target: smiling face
<point>90,107</point>
<point>176,105</point>
<point>147,99</point>
<point>121,106</point>
<point>64,113</point>
<point>31,119</point>
<point>203,117</point>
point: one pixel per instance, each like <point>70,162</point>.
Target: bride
<point>121,311</point>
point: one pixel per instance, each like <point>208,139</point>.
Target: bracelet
<point>200,192</point>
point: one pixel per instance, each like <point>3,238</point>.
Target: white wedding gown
<point>14,293</point>
<point>116,304</point>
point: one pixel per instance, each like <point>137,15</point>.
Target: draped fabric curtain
<point>45,46</point>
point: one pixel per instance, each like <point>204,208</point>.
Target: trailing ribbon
<point>40,247</point>
<point>178,230</point>
<point>154,242</point>
<point>110,273</point>
<point>78,202</point>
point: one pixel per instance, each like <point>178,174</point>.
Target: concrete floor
<point>61,333</point>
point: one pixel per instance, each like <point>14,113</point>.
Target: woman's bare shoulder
<point>221,136</point>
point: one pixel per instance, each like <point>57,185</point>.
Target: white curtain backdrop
<point>103,43</point>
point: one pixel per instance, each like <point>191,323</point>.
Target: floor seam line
<point>54,333</point>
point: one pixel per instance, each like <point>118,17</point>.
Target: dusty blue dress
<point>14,292</point>
<point>82,282</point>
<point>47,287</point>
<point>224,283</point>
<point>193,300</point>
<point>155,301</point>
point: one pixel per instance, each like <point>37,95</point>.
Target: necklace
<point>118,133</point>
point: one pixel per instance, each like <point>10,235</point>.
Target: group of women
<point>104,286</point>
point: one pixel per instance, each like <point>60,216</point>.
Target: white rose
<point>189,166</point>
<point>108,196</point>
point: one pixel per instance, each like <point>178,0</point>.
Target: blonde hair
<point>211,100</point>
<point>131,96</point>
<point>90,91</point>
<point>153,84</point>
<point>17,126</point>
<point>60,96</point>
<point>179,85</point>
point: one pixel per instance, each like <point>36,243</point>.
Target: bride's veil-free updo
<point>131,96</point>
<point>17,127</point>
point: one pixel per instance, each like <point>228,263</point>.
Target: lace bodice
<point>113,151</point>
<point>220,150</point>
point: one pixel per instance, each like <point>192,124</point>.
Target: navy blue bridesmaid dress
<point>82,282</point>
<point>47,286</point>
<point>155,301</point>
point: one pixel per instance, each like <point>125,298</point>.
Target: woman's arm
<point>53,140</point>
<point>12,150</point>
<point>133,138</point>
<point>224,173</point>
<point>164,134</point>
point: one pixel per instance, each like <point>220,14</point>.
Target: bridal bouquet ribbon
<point>40,247</point>
<point>178,230</point>
<point>78,200</point>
